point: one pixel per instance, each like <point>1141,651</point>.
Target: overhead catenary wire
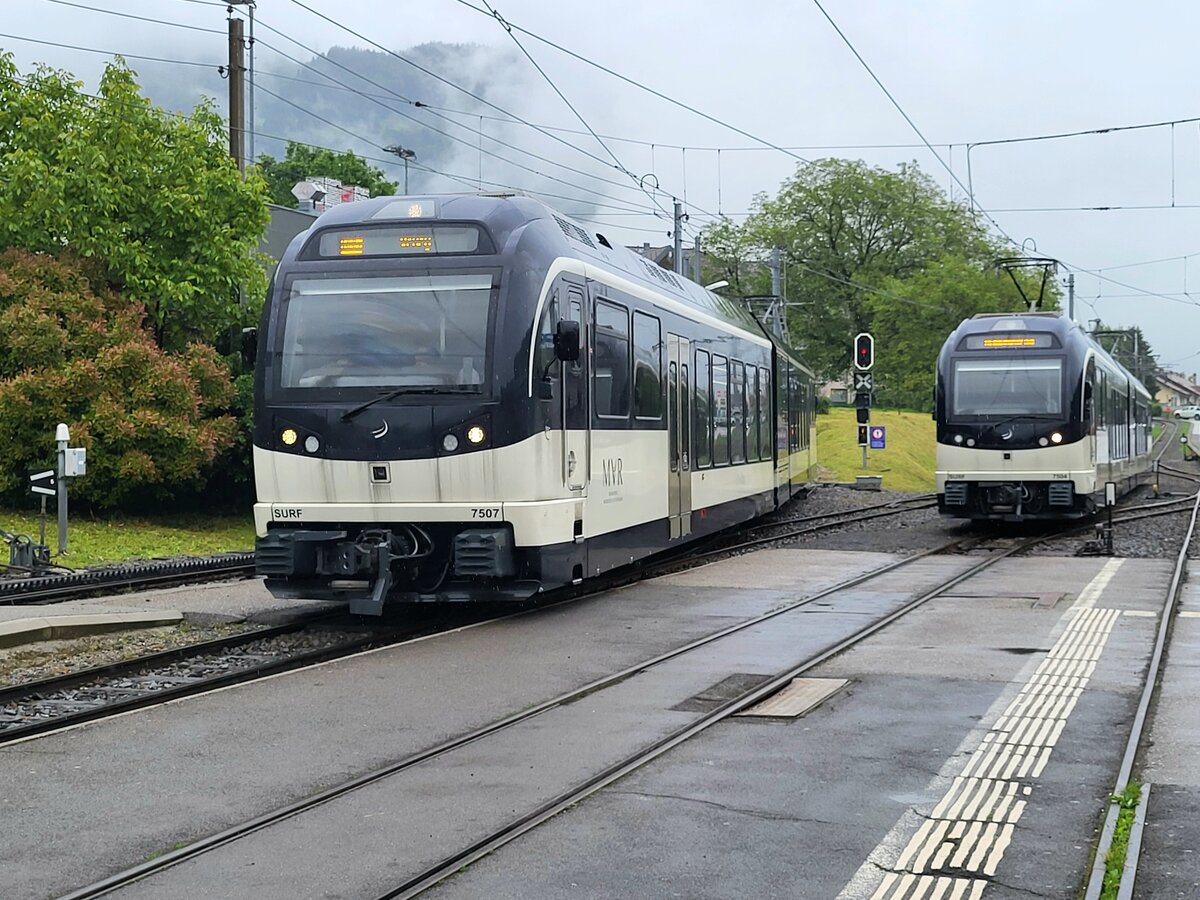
<point>643,87</point>
<point>550,81</point>
<point>392,93</point>
<point>125,15</point>
<point>422,124</point>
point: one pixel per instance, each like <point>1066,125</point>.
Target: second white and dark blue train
<point>1034,418</point>
<point>472,397</point>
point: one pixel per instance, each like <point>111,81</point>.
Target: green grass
<point>1114,862</point>
<point>94,541</point>
<point>906,464</point>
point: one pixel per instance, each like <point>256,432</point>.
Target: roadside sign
<point>878,437</point>
<point>44,483</point>
<point>864,382</point>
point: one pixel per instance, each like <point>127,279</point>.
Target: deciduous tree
<point>152,196</point>
<point>301,162</point>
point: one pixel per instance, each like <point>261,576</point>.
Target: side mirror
<point>249,347</point>
<point>566,340</point>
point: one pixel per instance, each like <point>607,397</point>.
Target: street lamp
<point>405,154</point>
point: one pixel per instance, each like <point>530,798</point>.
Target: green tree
<point>152,196</point>
<point>911,318</point>
<point>301,162</point>
<point>1128,346</point>
<point>72,350</point>
<point>845,227</point>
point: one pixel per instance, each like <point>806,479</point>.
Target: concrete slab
<point>14,632</point>
<point>242,600</point>
<point>142,783</point>
<point>768,809</point>
<point>1170,861</point>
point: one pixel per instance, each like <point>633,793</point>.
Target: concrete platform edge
<point>43,628</point>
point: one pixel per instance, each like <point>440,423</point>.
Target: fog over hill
<point>370,99</point>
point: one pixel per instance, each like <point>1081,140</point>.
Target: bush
<point>153,422</point>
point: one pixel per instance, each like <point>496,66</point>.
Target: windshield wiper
<point>400,392</point>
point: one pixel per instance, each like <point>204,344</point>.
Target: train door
<point>577,420</point>
<point>679,439</point>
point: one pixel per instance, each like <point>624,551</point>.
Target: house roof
<point>1178,383</point>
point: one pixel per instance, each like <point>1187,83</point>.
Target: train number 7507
<point>485,512</point>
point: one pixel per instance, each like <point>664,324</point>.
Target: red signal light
<point>864,351</point>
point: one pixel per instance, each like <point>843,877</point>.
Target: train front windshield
<point>427,332</point>
<point>1007,387</point>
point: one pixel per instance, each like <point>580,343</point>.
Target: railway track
<point>37,708</point>
<point>1137,733</point>
<point>455,857</point>
<point>52,704</point>
<point>73,585</point>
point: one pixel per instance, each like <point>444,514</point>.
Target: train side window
<point>702,411</point>
<point>781,419</point>
<point>672,413</point>
<point>751,413</point>
<point>647,367</point>
<point>576,300</point>
<point>737,411</point>
<point>610,379</point>
<point>720,410</point>
<point>544,359</point>
<point>764,412</point>
<point>685,417</point>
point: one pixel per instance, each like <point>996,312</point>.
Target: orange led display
<point>350,246</point>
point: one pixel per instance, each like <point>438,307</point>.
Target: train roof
<point>505,214</point>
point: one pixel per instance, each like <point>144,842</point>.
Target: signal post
<point>864,386</point>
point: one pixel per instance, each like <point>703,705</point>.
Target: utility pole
<point>777,303</point>
<point>678,238</point>
<point>1071,296</point>
<point>237,94</point>
<point>696,261</point>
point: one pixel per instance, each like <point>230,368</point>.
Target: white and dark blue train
<point>472,397</point>
<point>1034,418</point>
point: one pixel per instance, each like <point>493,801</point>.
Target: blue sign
<point>878,435</point>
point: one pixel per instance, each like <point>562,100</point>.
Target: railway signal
<point>864,351</point>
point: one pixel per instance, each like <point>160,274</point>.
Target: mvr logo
<point>614,472</point>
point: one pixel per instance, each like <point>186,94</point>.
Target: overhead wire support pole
<point>677,233</point>
<point>237,96</point>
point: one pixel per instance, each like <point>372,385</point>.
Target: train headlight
<point>449,443</point>
<point>958,439</point>
<point>970,442</point>
<point>1042,442</point>
<point>1056,437</point>
<point>289,436</point>
<point>475,434</point>
<point>312,443</point>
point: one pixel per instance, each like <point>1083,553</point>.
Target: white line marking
<point>972,825</point>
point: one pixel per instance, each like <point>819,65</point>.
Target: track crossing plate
<point>799,697</point>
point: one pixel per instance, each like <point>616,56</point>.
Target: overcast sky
<point>965,71</point>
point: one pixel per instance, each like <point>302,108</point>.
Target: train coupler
<point>372,604</point>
